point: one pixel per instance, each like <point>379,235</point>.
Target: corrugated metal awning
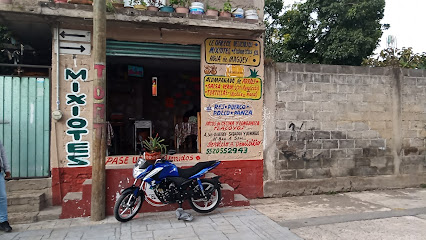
<point>153,50</point>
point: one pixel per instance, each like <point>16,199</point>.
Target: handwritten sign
<point>230,110</point>
<point>232,88</point>
<point>234,52</point>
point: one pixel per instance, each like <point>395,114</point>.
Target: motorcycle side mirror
<point>171,152</point>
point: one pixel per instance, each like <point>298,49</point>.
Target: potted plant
<point>226,11</point>
<point>168,8</point>
<point>154,147</point>
<point>212,11</point>
<point>138,4</point>
<point>181,6</point>
<point>153,5</point>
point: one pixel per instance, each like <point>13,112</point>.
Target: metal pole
<point>99,116</point>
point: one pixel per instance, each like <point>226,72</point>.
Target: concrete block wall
<point>342,122</point>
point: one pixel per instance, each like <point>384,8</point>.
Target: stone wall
<point>343,122</point>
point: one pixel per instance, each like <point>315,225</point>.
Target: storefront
<point>203,95</point>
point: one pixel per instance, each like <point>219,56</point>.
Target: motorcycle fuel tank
<point>169,170</point>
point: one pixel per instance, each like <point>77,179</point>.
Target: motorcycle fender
<point>216,182</point>
<point>133,189</point>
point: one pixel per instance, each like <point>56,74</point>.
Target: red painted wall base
<point>246,177</point>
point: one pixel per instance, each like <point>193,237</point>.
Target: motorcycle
<point>170,185</point>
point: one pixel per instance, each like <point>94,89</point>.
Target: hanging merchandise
<point>154,86</point>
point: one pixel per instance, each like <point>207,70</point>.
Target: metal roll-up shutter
<point>153,50</point>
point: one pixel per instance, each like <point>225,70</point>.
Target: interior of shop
<point>150,96</point>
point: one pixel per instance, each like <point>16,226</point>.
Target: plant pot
<point>152,8</point>
<point>182,10</point>
<point>140,7</point>
<point>88,2</point>
<point>211,12</point>
<point>152,156</point>
<point>225,14</point>
<point>5,1</point>
<point>167,9</point>
<point>118,5</point>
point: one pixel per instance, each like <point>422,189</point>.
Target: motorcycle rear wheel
<point>203,205</point>
<point>127,202</point>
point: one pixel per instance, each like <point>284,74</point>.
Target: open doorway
<point>150,96</point>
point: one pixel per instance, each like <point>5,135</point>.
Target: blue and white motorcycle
<point>170,185</point>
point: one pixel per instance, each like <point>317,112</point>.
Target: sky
<point>406,18</point>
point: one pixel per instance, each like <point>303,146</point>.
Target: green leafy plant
<point>227,6</point>
<point>179,3</point>
<point>211,8</point>
<point>155,144</point>
<point>404,58</point>
<point>109,6</point>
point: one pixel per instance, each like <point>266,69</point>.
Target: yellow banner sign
<point>234,71</point>
<point>232,88</point>
<point>237,52</point>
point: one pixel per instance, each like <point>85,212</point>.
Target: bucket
<point>196,10</point>
<point>128,3</point>
<point>250,12</point>
<point>237,13</point>
<point>198,5</point>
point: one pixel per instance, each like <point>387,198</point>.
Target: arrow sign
<point>74,35</point>
<point>81,48</point>
<point>74,48</point>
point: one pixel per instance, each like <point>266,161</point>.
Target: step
<point>210,175</point>
<point>50,213</point>
<point>73,196</point>
<point>73,205</point>
<point>26,198</point>
<point>240,200</point>
<point>22,217</point>
<point>28,184</point>
<point>87,189</point>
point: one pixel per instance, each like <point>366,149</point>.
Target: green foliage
<point>109,6</point>
<point>423,185</point>
<point>227,6</point>
<point>340,32</point>
<point>180,3</point>
<point>211,8</point>
<point>404,58</point>
<point>155,144</point>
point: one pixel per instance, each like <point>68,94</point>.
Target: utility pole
<point>99,115</point>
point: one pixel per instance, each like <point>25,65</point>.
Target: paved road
<point>389,214</point>
<point>223,224</point>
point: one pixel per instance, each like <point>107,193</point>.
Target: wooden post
<point>99,115</point>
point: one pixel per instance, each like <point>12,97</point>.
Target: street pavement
<point>386,214</point>
<point>221,224</point>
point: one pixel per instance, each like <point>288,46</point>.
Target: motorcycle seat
<point>188,172</point>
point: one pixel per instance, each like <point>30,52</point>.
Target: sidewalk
<point>222,224</point>
<point>387,214</point>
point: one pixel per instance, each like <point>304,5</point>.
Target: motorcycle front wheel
<point>206,204</point>
<point>127,206</point>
